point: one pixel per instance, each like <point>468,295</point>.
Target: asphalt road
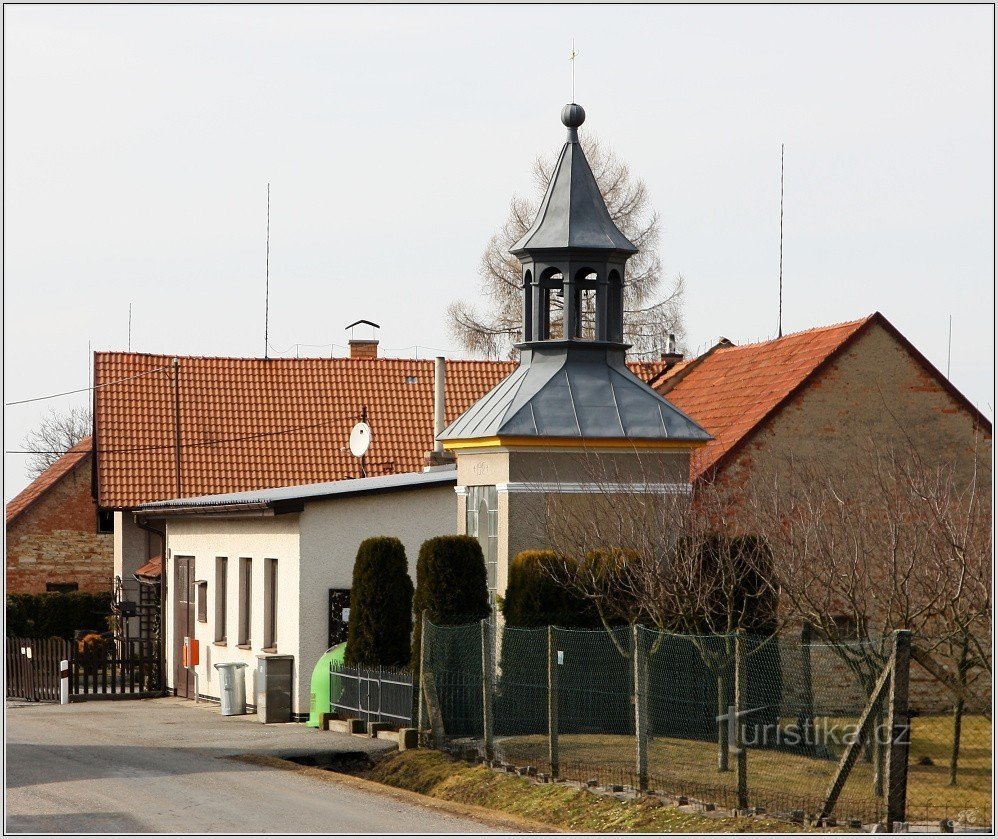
<point>161,765</point>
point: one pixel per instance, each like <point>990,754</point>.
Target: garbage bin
<point>233,687</point>
<point>273,687</point>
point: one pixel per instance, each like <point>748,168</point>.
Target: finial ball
<point>573,115</point>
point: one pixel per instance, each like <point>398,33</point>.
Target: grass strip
<point>562,807</point>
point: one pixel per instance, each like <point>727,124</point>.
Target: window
<point>270,604</point>
<point>482,522</point>
<point>245,601</point>
<point>202,600</point>
<point>221,592</point>
<point>105,521</point>
<point>62,587</point>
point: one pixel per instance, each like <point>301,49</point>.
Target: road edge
<point>492,818</point>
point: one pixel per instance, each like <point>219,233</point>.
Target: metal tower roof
<point>573,213</point>
<point>576,391</point>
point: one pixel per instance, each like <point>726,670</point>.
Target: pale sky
<point>139,141</point>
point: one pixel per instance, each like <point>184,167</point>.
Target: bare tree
<point>676,562</point>
<point>649,317</point>
<point>883,543</point>
<point>57,432</point>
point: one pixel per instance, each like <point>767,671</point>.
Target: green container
<point>323,684</point>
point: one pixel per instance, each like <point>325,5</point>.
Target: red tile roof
<point>48,479</point>
<point>152,569</point>
<point>250,423</point>
<point>731,390</point>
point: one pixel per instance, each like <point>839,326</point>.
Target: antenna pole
<point>266,311</point>
<point>779,326</point>
<point>949,345</point>
<point>129,327</point>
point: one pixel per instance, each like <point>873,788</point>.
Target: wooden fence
<point>113,668</point>
<point>33,667</point>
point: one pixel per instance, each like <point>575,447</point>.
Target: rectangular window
<point>482,522</point>
<point>105,521</point>
<point>202,600</point>
<point>62,587</point>
<point>245,601</point>
<point>221,593</point>
<point>270,604</point>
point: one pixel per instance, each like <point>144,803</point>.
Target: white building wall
<point>331,532</point>
<point>271,537</point>
<point>131,545</point>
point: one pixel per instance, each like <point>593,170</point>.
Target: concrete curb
<point>503,821</point>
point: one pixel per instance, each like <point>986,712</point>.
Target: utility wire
<point>85,389</point>
<point>201,444</point>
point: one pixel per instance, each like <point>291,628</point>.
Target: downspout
<point>162,598</point>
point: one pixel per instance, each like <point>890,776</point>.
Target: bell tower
<point>573,255</point>
<point>571,419</point>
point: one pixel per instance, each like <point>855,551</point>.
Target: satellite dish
<point>360,439</point>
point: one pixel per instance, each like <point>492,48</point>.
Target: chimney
<point>437,458</point>
<point>670,356</point>
<point>363,347</point>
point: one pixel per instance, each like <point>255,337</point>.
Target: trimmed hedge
<point>380,625</point>
<point>56,614</point>
<point>451,585</point>
<point>534,598</point>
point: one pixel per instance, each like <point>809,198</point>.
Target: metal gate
<point>372,694</point>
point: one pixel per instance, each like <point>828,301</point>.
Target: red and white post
<point>64,682</point>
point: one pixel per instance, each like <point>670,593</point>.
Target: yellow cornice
<point>569,443</point>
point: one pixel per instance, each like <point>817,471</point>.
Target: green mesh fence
<point>798,711</point>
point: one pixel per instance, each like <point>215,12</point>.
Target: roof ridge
<point>128,354</point>
<point>814,329</point>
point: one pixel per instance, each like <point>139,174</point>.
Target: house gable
<point>874,390</point>
<point>52,531</point>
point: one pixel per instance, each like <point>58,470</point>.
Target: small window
<point>202,600</point>
<point>62,587</point>
<point>482,522</point>
<point>105,521</point>
<point>221,592</point>
<point>270,604</point>
<point>245,601</point>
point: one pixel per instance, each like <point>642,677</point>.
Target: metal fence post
<point>553,705</point>
<point>487,690</point>
<point>741,703</point>
<point>640,709</point>
<point>422,724</point>
<point>898,728</point>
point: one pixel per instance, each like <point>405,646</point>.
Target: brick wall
<point>874,391</point>
<point>56,541</point>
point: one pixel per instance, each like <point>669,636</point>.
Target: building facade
<point>254,574</point>
<point>54,534</point>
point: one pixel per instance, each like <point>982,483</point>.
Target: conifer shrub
<point>534,597</point>
<point>56,614</point>
<point>451,585</point>
<point>380,626</point>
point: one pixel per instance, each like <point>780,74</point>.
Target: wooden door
<point>183,623</point>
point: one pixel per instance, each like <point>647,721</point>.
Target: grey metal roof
<point>573,390</point>
<point>308,492</point>
<point>573,213</point>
